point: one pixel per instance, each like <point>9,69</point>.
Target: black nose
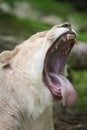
<point>66,25</point>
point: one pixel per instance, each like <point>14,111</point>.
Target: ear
<point>6,56</point>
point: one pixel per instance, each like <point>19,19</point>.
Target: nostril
<point>66,25</point>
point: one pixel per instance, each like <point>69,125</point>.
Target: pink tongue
<point>67,90</point>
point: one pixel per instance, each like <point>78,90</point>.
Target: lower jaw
<point>60,88</point>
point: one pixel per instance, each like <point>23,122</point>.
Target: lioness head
<point>43,58</point>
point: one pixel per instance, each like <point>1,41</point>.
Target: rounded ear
<point>6,56</point>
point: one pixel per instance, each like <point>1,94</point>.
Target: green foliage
<point>19,26</point>
<point>80,18</point>
<point>80,83</point>
<point>47,7</point>
<point>52,7</point>
<point>82,36</point>
<point>10,2</point>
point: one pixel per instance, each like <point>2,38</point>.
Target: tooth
<point>56,46</point>
<point>52,50</point>
<point>68,37</point>
<point>68,48</point>
<point>64,39</point>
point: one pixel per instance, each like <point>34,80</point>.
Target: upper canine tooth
<point>64,39</point>
<point>68,37</point>
<point>56,46</point>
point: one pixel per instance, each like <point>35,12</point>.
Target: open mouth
<point>54,65</point>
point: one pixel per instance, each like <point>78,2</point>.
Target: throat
<point>56,65</point>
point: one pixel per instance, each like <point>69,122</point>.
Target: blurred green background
<point>19,19</point>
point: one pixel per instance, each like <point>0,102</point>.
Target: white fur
<point>25,101</point>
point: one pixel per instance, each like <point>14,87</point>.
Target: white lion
<point>32,76</point>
